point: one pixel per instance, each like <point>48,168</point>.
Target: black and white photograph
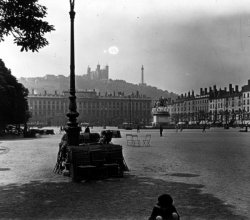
<point>125,109</point>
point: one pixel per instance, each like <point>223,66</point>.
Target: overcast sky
<point>183,44</point>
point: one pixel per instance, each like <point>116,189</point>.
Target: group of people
<point>62,128</point>
<point>177,127</point>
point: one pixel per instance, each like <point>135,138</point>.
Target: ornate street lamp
<point>73,130</point>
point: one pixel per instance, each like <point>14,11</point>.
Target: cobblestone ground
<point>177,163</point>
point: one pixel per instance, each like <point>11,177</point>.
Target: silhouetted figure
<point>61,129</point>
<point>106,137</point>
<point>176,127</point>
<point>138,128</point>
<point>87,130</point>
<point>204,128</point>
<point>164,209</point>
<point>161,130</point>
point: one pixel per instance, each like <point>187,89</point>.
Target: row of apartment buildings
<point>212,105</point>
<point>228,105</point>
<point>94,108</point>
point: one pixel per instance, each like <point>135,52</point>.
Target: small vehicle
<point>94,158</point>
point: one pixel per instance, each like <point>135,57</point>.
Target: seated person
<point>164,209</point>
<point>87,130</point>
<point>106,137</point>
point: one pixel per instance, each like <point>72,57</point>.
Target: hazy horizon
<point>183,45</point>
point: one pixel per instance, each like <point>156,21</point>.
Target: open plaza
<point>207,174</point>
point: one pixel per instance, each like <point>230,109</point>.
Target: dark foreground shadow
<point>16,138</point>
<point>127,198</point>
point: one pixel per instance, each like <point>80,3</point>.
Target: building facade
<point>225,105</point>
<point>109,109</point>
<point>246,102</point>
<point>190,108</point>
<point>215,106</point>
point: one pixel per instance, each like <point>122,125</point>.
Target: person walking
<point>176,127</point>
<point>138,128</point>
<point>204,128</point>
<point>161,130</point>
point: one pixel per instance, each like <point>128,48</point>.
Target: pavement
<point>30,190</point>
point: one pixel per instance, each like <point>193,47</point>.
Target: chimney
<point>55,92</point>
<point>45,92</point>
<point>98,67</point>
<point>137,93</point>
<point>236,88</point>
<point>230,88</point>
<point>215,90</point>
<point>201,91</point>
<point>249,82</point>
<point>185,95</point>
<point>193,93</point>
<point>189,94</point>
<point>210,89</point>
<point>88,70</point>
<point>225,89</point>
<point>205,91</point>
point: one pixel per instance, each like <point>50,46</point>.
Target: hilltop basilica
<point>99,74</point>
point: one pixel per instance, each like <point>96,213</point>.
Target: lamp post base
<point>73,135</point>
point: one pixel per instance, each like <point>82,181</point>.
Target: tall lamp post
<point>73,130</point>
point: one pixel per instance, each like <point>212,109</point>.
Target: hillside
<point>60,83</point>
